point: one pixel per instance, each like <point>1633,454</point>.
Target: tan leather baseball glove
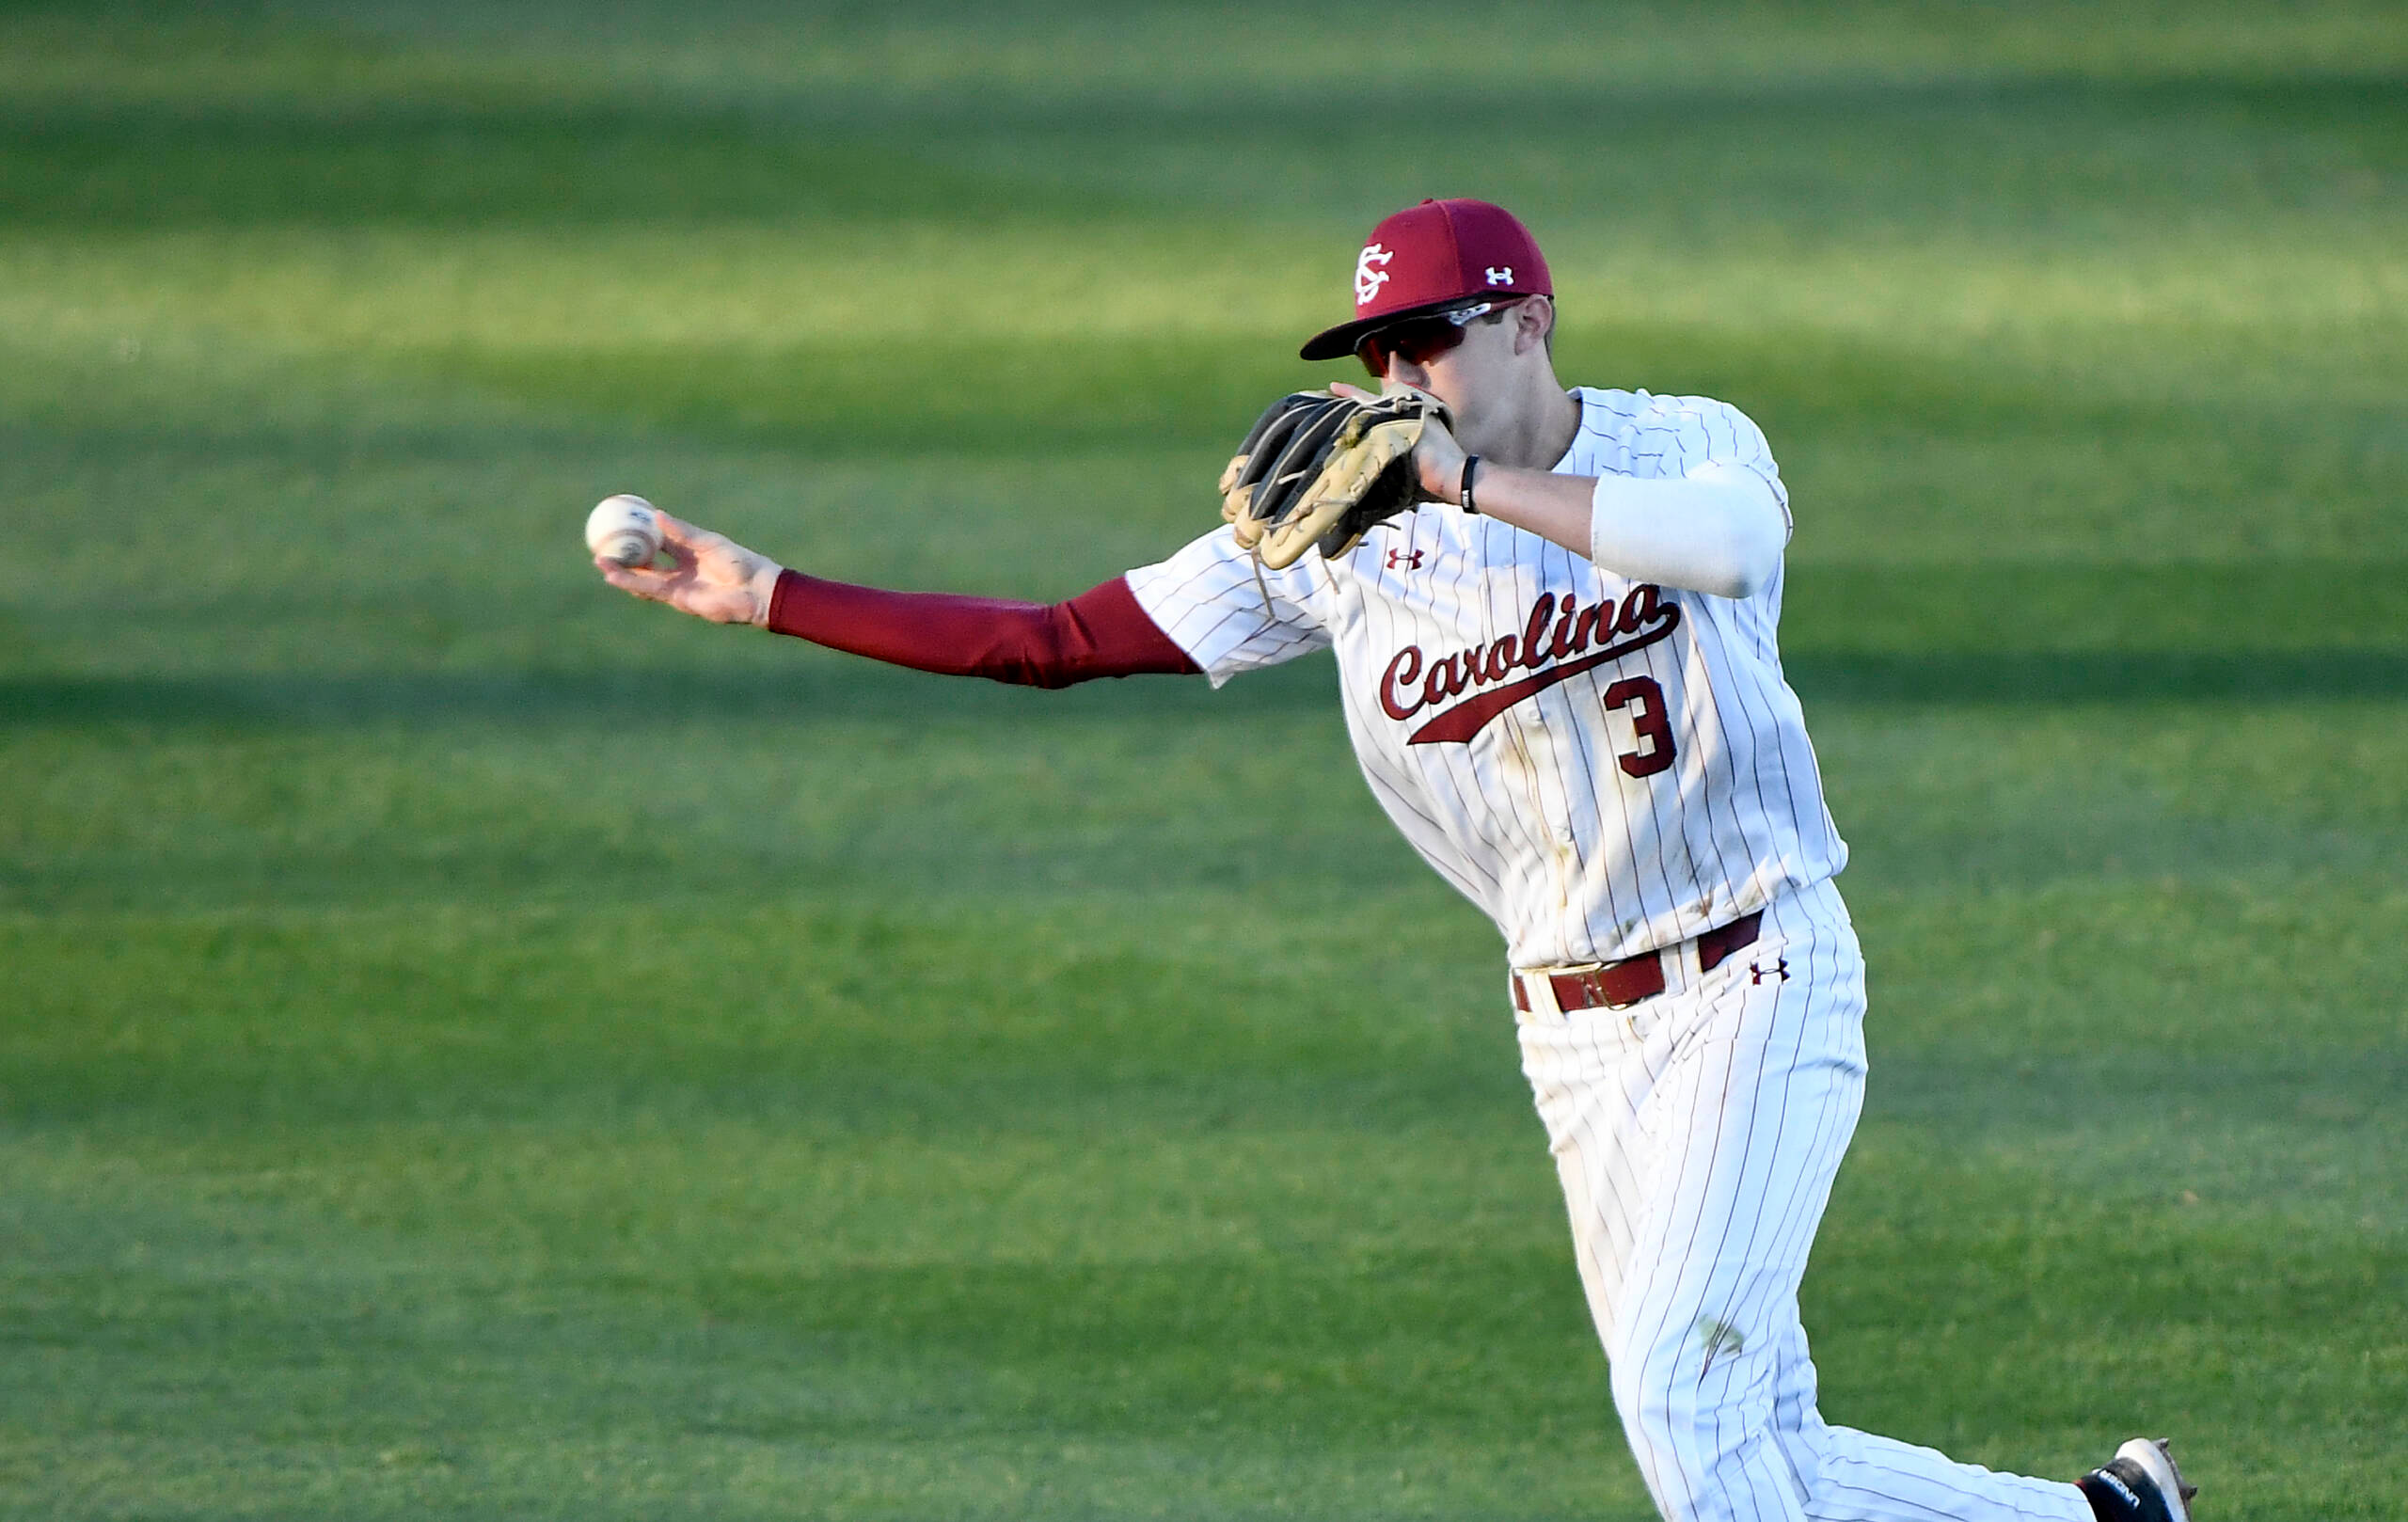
<point>1321,468</point>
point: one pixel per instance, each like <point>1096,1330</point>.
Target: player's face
<point>1459,363</point>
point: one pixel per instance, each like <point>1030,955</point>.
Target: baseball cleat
<point>2139,1484</point>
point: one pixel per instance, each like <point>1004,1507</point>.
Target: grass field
<point>471,1046</point>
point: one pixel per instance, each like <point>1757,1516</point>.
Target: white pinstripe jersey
<point>1605,766</point>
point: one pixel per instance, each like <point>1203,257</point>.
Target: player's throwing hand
<point>710,576</point>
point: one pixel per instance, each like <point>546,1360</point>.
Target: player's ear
<point>1533,323</point>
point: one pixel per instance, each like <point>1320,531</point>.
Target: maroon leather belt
<point>1621,984</point>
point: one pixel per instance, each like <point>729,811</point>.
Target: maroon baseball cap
<point>1430,257</point>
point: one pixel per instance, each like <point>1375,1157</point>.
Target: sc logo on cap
<point>1367,279</point>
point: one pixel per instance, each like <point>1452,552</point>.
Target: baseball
<point>622,528</point>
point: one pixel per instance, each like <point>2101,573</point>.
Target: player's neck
<point>1535,432</point>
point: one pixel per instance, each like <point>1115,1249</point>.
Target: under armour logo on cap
<point>1501,275</point>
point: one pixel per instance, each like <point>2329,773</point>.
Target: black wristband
<point>1462,488</point>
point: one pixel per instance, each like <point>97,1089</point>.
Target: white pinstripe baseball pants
<point>1697,1135</point>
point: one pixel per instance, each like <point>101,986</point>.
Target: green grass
<point>470,1046</point>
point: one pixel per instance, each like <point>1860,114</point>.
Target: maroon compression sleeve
<point>1102,632</point>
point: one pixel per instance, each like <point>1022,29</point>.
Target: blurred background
<point>472,1045</point>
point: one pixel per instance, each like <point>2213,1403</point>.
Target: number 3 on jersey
<point>1645,701</point>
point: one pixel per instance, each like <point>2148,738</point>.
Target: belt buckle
<point>1593,983</point>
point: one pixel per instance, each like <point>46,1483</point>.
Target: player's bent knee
<point>1698,1412</point>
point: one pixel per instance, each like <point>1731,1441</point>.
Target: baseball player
<point>1560,672</point>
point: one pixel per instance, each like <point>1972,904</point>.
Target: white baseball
<point>622,528</point>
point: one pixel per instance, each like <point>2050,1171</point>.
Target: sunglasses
<point>1420,340</point>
